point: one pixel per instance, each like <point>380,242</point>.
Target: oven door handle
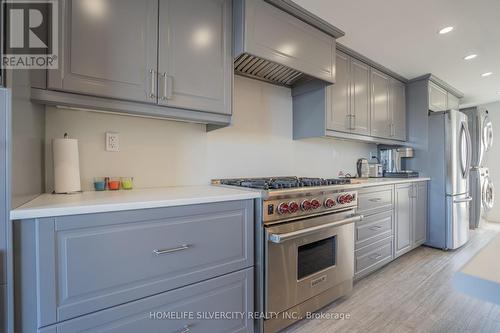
<point>280,238</point>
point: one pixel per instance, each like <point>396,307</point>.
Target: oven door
<point>306,257</point>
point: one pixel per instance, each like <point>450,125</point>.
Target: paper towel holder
<point>66,165</point>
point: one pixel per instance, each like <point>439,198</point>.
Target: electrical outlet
<point>112,141</point>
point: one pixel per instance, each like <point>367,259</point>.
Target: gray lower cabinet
<point>403,217</point>
<point>108,48</point>
<point>374,235</point>
<point>410,216</point>
<point>77,265</point>
<point>173,53</point>
<point>194,57</point>
<point>189,309</point>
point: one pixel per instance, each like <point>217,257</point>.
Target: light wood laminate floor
<point>413,294</point>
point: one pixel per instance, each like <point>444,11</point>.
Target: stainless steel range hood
<point>279,42</point>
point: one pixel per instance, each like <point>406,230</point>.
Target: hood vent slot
<point>265,70</point>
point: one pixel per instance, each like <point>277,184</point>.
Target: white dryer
<point>483,194</point>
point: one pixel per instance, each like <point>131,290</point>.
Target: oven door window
<point>315,257</point>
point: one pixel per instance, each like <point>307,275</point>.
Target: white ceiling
<point>402,36</point>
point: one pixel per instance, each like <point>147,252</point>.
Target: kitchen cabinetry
<point>350,97</point>
<point>453,102</point>
<point>438,98</point>
<point>364,104</point>
<point>172,53</point>
<point>133,256</point>
<point>194,58</point>
<point>410,216</point>
<point>380,116</point>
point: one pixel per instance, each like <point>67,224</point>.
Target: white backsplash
<point>165,153</point>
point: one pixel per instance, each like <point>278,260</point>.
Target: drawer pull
<point>159,252</point>
<point>375,227</point>
<point>185,329</point>
<point>375,199</point>
<point>376,256</point>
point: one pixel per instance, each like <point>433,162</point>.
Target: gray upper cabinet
<point>338,116</point>
<point>437,98</point>
<point>420,213</point>
<point>380,113</point>
<point>350,97</point>
<point>360,97</point>
<point>397,98</point>
<point>108,48</point>
<point>403,220</point>
<point>194,58</point>
<point>453,102</point>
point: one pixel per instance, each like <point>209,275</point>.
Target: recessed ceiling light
<point>470,57</point>
<point>445,30</point>
<point>486,74</point>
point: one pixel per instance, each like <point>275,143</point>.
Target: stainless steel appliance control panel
<point>288,208</point>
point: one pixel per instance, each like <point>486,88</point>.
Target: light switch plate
<point>112,141</point>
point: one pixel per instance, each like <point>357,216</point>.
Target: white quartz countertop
<point>480,277</point>
<point>48,205</point>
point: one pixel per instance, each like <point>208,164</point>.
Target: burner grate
<point>278,183</point>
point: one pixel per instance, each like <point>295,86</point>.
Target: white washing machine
<point>483,194</point>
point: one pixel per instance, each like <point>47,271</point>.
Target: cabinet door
<point>195,62</point>
<point>403,217</point>
<point>338,115</point>
<point>360,97</point>
<point>420,213</point>
<point>380,118</point>
<point>437,98</point>
<point>108,48</point>
<point>453,102</point>
<point>398,110</point>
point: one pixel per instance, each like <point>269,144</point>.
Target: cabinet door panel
<point>437,98</point>
<point>398,110</point>
<point>338,113</point>
<point>453,102</point>
<point>403,219</point>
<point>380,119</point>
<point>420,214</point>
<point>108,48</point>
<point>195,63</point>
<point>360,91</point>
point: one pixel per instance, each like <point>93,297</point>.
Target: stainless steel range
<point>304,244</point>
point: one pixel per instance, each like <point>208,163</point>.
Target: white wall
<point>492,159</point>
<point>164,153</point>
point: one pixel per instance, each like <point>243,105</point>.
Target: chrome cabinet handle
<point>376,256</point>
<point>375,227</point>
<point>152,94</point>
<point>280,238</point>
<point>353,122</point>
<point>172,250</point>
<point>375,199</point>
<point>167,86</point>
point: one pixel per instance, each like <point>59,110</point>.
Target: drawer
<point>372,257</point>
<point>185,306</point>
<point>96,261</point>
<point>374,228</point>
<point>375,199</point>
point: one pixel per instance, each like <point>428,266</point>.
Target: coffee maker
<point>393,161</point>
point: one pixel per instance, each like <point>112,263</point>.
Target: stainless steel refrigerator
<point>449,162</point>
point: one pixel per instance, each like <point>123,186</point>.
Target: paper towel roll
<point>66,166</point>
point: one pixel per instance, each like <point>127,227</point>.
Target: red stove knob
<point>329,203</point>
<point>340,199</point>
<point>306,205</point>
<point>293,207</point>
<point>283,208</point>
<point>349,198</point>
<point>315,203</point>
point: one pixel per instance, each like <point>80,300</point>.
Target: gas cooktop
<point>276,183</point>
